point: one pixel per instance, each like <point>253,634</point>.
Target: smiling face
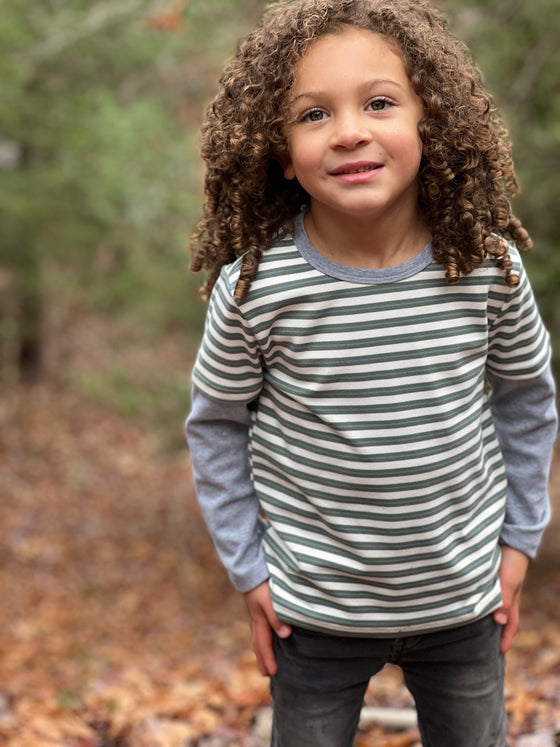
<point>353,132</point>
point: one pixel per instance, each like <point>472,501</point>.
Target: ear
<point>282,157</point>
<point>289,172</point>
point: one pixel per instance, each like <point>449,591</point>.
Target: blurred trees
<point>99,178</point>
<point>517,45</point>
<point>99,174</point>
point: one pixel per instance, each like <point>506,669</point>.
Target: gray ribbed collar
<point>355,274</point>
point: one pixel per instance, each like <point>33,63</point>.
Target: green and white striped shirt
<point>372,447</point>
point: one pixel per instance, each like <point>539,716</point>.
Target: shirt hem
<point>401,631</point>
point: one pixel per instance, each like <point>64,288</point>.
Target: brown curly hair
<point>466,174</point>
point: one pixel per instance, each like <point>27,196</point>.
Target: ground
<point>118,626</point>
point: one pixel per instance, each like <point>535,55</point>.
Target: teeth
<point>358,171</point>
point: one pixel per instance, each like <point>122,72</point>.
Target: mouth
<point>347,169</point>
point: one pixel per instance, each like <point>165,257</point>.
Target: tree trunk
<point>30,358</point>
<point>29,295</point>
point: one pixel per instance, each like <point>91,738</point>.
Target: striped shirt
<point>373,451</point>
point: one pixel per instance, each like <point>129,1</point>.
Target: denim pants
<point>456,677</point>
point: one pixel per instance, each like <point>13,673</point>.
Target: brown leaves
<point>117,625</point>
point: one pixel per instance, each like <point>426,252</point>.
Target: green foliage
<point>100,178</point>
<point>517,45</point>
<point>99,108</point>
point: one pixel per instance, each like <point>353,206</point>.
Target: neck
<point>367,242</point>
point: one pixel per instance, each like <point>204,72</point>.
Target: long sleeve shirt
<point>351,408</point>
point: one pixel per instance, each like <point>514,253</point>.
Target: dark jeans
<point>455,676</point>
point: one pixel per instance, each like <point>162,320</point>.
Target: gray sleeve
<point>217,436</point>
<point>525,418</point>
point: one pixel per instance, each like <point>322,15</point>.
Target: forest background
<point>117,625</point>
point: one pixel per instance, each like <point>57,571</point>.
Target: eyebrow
<point>369,84</point>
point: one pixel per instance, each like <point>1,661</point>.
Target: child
<point>373,408</point>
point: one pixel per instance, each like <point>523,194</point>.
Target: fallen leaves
<point>118,627</point>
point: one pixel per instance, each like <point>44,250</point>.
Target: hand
<point>263,621</point>
<point>513,568</point>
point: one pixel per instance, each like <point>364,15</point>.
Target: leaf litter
<point>118,626</point>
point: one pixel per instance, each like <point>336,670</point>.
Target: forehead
<point>350,52</point>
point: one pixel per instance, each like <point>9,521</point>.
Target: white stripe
<point>372,411</point>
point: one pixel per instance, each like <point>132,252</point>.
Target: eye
<point>313,115</point>
<point>379,104</point>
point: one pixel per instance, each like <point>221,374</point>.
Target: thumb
<point>281,628</point>
<point>260,607</point>
<point>501,616</point>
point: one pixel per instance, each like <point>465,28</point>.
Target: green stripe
<point>337,406</point>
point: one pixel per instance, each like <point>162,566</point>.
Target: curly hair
<point>466,178</point>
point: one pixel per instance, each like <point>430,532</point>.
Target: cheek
<point>303,158</point>
<point>407,144</point>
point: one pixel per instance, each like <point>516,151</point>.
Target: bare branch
<point>100,17</point>
<point>508,9</point>
<point>534,62</point>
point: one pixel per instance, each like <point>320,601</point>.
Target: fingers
<point>508,617</point>
<point>263,622</point>
<point>261,642</point>
<point>510,621</point>
<point>512,573</point>
<point>259,604</point>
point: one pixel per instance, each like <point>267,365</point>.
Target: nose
<point>350,130</point>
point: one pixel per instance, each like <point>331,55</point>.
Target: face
<point>352,134</point>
